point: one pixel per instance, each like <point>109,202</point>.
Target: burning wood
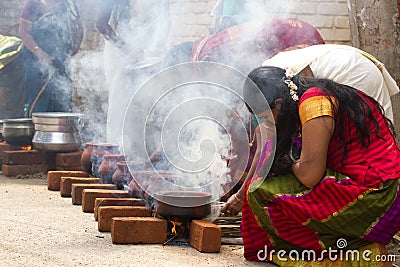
<point>177,231</point>
<point>26,148</point>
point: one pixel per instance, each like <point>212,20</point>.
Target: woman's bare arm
<point>316,135</point>
<point>24,33</point>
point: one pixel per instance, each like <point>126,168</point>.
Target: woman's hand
<point>233,206</point>
<point>24,32</point>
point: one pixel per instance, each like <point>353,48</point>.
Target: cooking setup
<point>49,138</point>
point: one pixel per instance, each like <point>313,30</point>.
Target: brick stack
<point>107,213</point>
<point>67,182</point>
<point>54,178</point>
<point>101,202</point>
<point>89,196</point>
<point>138,230</point>
<point>77,190</point>
<point>21,162</point>
<point>3,147</point>
<point>69,161</point>
<point>205,236</point>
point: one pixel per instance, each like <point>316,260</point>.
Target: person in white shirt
<point>343,64</point>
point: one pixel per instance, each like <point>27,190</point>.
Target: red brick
<point>70,168</point>
<point>54,178</point>
<point>77,189</point>
<point>69,159</point>
<point>23,157</point>
<point>205,236</point>
<point>106,213</point>
<point>13,170</point>
<point>1,160</point>
<point>138,230</point>
<point>4,147</point>
<point>90,195</point>
<point>100,202</point>
<point>66,184</point>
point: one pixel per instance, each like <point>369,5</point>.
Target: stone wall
<point>9,16</point>
<point>191,19</point>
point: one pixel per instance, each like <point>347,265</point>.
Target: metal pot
<point>57,118</point>
<point>56,141</point>
<point>57,122</point>
<point>57,131</point>
<point>182,205</point>
<point>18,132</point>
<point>56,128</point>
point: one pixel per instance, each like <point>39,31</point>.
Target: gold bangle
<point>238,199</point>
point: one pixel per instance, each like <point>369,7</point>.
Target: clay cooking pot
<point>182,205</point>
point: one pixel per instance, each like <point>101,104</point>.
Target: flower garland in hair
<point>292,86</point>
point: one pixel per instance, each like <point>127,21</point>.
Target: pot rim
<point>178,205</point>
<point>56,115</point>
<point>188,199</point>
<point>178,194</point>
<point>20,120</point>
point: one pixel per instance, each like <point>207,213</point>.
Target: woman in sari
<point>339,192</point>
<point>52,32</point>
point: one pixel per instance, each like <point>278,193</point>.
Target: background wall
<point>190,19</point>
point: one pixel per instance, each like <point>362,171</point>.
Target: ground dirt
<point>40,228</point>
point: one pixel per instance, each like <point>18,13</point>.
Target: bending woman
<point>52,33</point>
<point>344,183</point>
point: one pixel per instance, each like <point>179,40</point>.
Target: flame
<point>173,230</point>
<point>27,148</point>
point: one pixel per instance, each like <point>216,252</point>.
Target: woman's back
<point>366,165</point>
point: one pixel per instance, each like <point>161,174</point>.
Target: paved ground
<point>40,228</point>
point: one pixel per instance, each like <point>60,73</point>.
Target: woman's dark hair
<point>270,81</point>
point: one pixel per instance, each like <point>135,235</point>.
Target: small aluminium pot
<point>18,132</point>
<point>57,131</point>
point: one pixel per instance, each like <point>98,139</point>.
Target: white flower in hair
<point>292,86</point>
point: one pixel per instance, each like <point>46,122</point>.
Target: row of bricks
<point>34,157</point>
<point>14,170</point>
<point>22,162</point>
<point>129,225</point>
<point>203,235</point>
<point>127,218</point>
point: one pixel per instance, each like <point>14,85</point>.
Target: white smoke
<point>203,141</point>
<point>92,94</point>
